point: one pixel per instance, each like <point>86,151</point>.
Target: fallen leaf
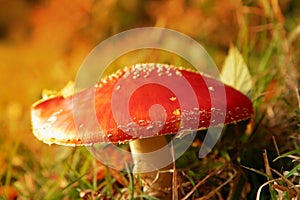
<point>235,71</point>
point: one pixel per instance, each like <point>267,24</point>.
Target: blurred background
<point>44,42</point>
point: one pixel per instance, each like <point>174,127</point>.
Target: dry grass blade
<point>200,183</point>
<point>215,191</point>
<point>263,185</point>
<point>267,35</point>
<point>267,166</point>
<point>118,176</point>
<point>292,189</point>
<point>174,178</point>
<point>276,146</point>
<point>294,35</point>
<point>298,96</point>
<point>174,184</point>
<point>289,183</point>
<point>277,11</point>
<point>285,189</point>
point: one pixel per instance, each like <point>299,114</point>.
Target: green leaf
<point>295,151</point>
<point>293,171</point>
<point>235,71</point>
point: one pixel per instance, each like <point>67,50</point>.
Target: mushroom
<point>140,105</point>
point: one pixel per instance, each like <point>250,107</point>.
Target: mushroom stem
<point>157,182</point>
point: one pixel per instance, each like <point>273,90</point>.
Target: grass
<point>262,163</point>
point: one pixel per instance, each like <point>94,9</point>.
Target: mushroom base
<point>156,179</point>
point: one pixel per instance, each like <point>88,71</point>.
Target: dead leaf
<point>235,71</point>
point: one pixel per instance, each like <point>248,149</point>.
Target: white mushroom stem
<point>156,178</point>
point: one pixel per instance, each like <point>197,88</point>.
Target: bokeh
<point>44,42</point>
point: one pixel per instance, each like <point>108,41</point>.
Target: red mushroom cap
<point>141,101</point>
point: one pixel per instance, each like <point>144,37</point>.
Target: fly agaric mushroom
<point>153,110</point>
